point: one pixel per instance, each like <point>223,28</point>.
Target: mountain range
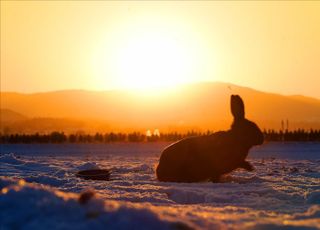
<point>198,106</point>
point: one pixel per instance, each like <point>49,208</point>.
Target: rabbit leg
<point>246,165</point>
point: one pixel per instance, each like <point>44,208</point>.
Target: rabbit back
<point>200,158</point>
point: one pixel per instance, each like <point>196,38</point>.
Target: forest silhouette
<point>112,137</point>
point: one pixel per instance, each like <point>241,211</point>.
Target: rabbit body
<point>208,157</point>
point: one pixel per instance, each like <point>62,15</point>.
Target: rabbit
<point>207,158</point>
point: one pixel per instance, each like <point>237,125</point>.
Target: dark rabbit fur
<point>208,157</point>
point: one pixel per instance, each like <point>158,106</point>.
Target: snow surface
<point>282,193</point>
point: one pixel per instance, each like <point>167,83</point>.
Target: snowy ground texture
<point>39,190</point>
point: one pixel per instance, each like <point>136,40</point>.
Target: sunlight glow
<point>109,45</point>
<point>147,53</point>
<point>152,60</point>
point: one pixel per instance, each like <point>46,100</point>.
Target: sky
<point>57,45</point>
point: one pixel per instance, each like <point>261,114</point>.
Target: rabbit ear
<point>237,107</point>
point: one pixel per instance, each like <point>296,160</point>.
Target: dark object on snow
<point>204,158</point>
<point>94,174</point>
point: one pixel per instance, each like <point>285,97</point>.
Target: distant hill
<point>302,98</point>
<point>7,115</point>
<point>199,106</point>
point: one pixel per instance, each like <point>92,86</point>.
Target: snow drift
<point>39,190</point>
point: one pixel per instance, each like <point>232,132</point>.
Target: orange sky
<point>271,46</point>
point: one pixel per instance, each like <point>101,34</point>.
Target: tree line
<point>61,137</point>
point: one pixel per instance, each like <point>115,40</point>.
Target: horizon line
<point>152,88</point>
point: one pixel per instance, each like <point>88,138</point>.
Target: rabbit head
<point>246,131</point>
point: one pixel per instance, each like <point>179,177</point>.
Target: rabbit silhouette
<point>206,158</point>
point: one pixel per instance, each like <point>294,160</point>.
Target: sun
<point>152,60</point>
<point>146,53</point>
